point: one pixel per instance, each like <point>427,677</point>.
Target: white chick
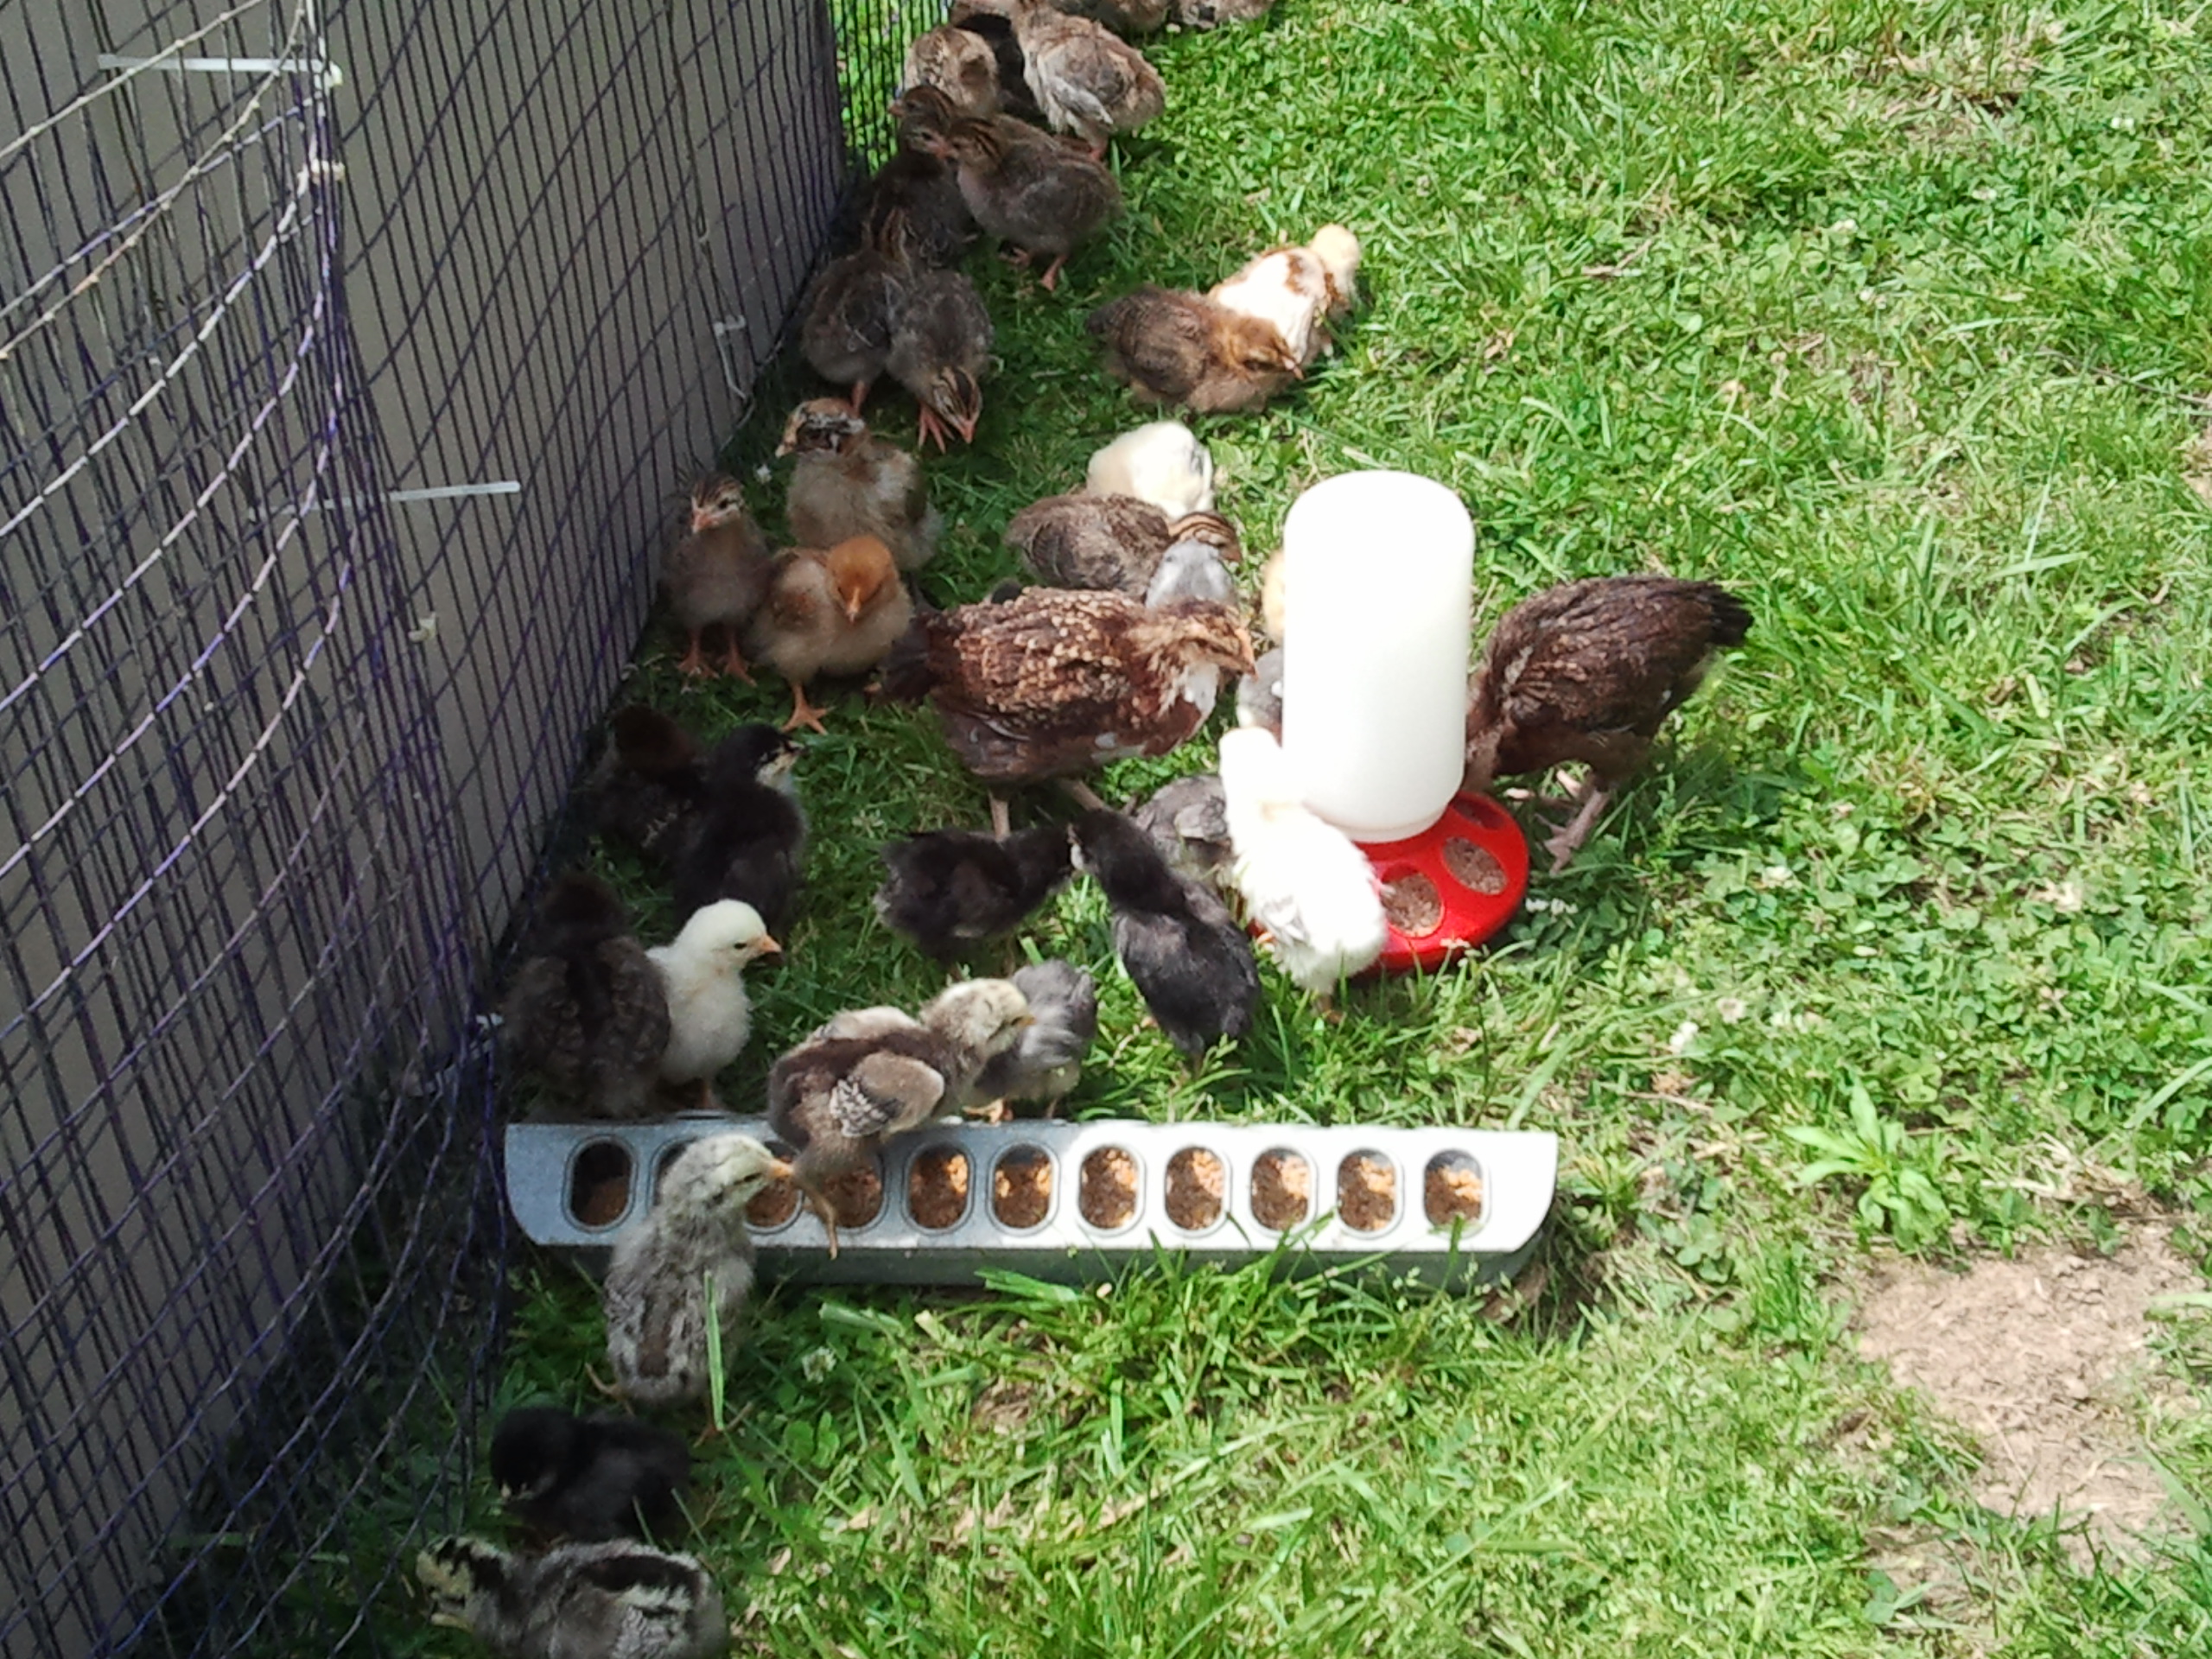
<point>1190,570</point>
<point>709,1016</point>
<point>1162,463</point>
<point>1303,881</point>
<point>655,1291</point>
<point>1300,290</point>
<point>618,1600</point>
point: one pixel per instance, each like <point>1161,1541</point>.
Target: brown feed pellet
<point>1194,1189</point>
<point>1107,1194</point>
<point>1413,904</point>
<point>1474,867</point>
<point>937,1187</point>
<point>856,1195</point>
<point>1021,1188</point>
<point>1367,1192</point>
<point>1282,1190</point>
<point>1451,1191</point>
<point>599,1187</point>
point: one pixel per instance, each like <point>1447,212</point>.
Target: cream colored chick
<point>830,612</point>
<point>709,1015</point>
<point>1303,881</point>
<point>1162,463</point>
<point>658,1314</point>
<point>618,1600</point>
<point>1300,290</point>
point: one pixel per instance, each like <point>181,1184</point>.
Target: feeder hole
<point>598,1184</point>
<point>1021,1188</point>
<point>1412,904</point>
<point>1107,1194</point>
<point>856,1195</point>
<point>937,1187</point>
<point>777,1203</point>
<point>1282,1190</point>
<point>1367,1192</point>
<point>1452,1189</point>
<point>1196,1180</point>
<point>1474,867</point>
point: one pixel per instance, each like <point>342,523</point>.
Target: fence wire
<point>351,353</point>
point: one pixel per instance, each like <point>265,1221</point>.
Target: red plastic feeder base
<point>1452,885</point>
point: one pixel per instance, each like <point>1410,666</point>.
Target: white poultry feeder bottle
<point>1072,1202</point>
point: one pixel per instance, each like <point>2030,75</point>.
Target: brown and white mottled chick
<point>1054,683</point>
<point>956,62</point>
<point>846,482</point>
<point>1041,196</point>
<point>1087,81</point>
<point>1170,346</point>
<point>845,333</point>
<point>1302,290</point>
<point>1112,542</point>
<point>834,612</point>
<point>587,1012</point>
<point>1587,671</point>
<point>1127,18</point>
<point>940,352</point>
<point>919,187</point>
<point>718,575</point>
<point>1212,14</point>
<point>837,1099</point>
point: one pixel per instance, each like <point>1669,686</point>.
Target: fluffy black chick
<point>589,1477</point>
<point>748,841</point>
<point>1178,942</point>
<point>647,785</point>
<point>588,1011</point>
<point>950,889</point>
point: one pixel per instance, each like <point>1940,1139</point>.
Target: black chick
<point>749,840</point>
<point>646,785</point>
<point>589,1477</point>
<point>588,1011</point>
<point>950,889</point>
<point>1178,942</point>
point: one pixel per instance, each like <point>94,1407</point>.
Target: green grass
<point>1897,319</point>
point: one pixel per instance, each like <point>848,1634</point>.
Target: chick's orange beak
<point>778,1170</point>
<point>701,519</point>
<point>769,947</point>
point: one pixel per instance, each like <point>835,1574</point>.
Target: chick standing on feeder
<point>948,890</point>
<point>1305,884</point>
<point>1162,462</point>
<point>836,612</point>
<point>587,1011</point>
<point>839,1098</point>
<point>1588,671</point>
<point>1177,942</point>
<point>702,974</point>
<point>748,837</point>
<point>1046,1062</point>
<point>718,575</point>
<point>582,1601</point>
<point>658,1279</point>
<point>588,1477</point>
<point>846,482</point>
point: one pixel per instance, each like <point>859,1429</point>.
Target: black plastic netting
<point>351,356</point>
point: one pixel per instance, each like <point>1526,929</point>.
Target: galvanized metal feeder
<point>1075,1201</point>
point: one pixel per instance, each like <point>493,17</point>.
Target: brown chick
<point>718,573</point>
<point>1302,290</point>
<point>956,62</point>
<point>1053,682</point>
<point>1088,82</point>
<point>1039,195</point>
<point>920,187</point>
<point>1109,541</point>
<point>647,785</point>
<point>1212,14</point>
<point>1170,346</point>
<point>1125,17</point>
<point>1587,671</point>
<point>830,612</point>
<point>845,334</point>
<point>940,350</point>
<point>846,482</point>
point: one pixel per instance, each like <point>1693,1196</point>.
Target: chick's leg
<point>818,1201</point>
<point>1562,846</point>
<point>803,712</point>
<point>734,662</point>
<point>1051,279</point>
<point>1001,817</point>
<point>693,661</point>
<point>860,394</point>
<point>1083,795</point>
<point>930,430</point>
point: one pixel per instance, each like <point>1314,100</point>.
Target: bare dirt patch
<point>2045,1359</point>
